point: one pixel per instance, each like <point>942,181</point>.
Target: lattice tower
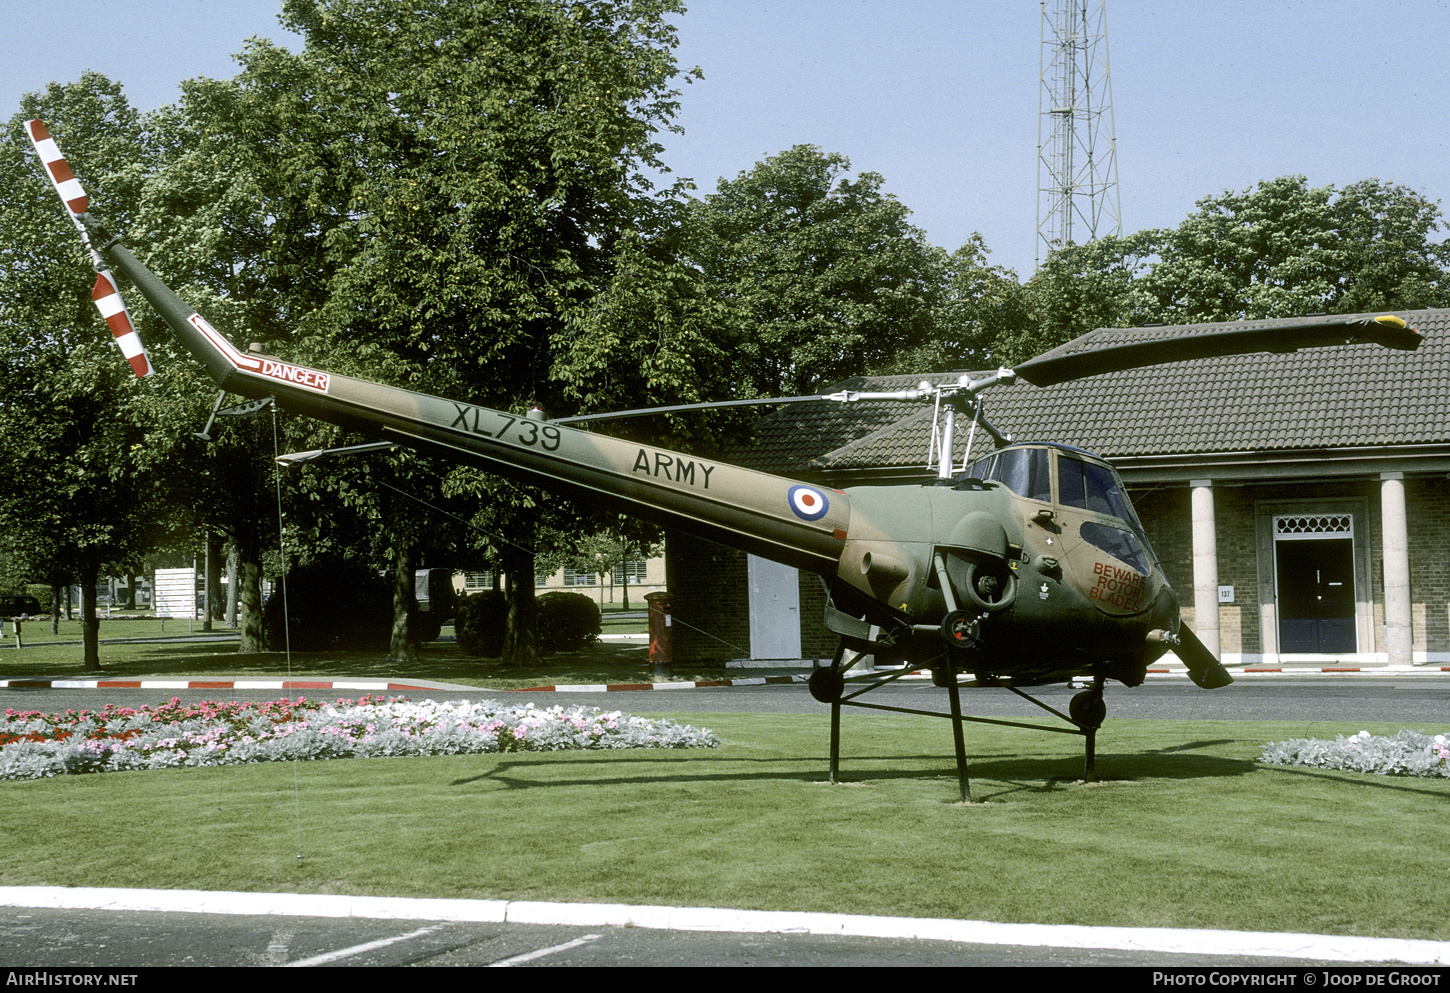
<point>1077,162</point>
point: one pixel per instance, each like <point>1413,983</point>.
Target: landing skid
<point>835,685</point>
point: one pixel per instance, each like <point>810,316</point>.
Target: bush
<point>333,606</point>
<point>1409,753</point>
<point>567,622</point>
<point>427,627</point>
<point>480,624</point>
<point>42,592</point>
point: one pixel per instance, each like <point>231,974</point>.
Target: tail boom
<point>781,519</point>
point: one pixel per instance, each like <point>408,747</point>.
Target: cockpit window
<point>1024,471</point>
<point>1091,487</point>
<point>1118,543</point>
<point>982,468</point>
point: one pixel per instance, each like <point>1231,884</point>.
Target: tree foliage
<point>653,336</point>
<point>425,197</point>
<point>1078,289</point>
<point>90,489</point>
<point>823,275</point>
<point>1280,249</point>
<point>446,182</point>
<point>1285,249</point>
<point>980,304</point>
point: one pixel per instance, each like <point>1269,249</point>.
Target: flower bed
<point>34,745</point>
<point>1408,753</point>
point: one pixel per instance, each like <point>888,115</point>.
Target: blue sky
<point>941,98</point>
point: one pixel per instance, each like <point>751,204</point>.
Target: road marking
<point>540,953</point>
<point>343,953</point>
<point>277,950</point>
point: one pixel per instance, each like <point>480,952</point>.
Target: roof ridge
<point>867,439</point>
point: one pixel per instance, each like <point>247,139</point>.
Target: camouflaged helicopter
<point>1026,567</point>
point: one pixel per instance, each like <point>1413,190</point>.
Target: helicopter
<point>1025,567</point>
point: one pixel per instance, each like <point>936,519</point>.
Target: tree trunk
<point>213,581</point>
<point>253,631</point>
<point>624,572</point>
<point>403,646</point>
<point>232,585</point>
<point>520,643</point>
<point>90,623</point>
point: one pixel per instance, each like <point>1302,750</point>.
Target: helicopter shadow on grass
<point>1013,772</point>
<point>1399,784</point>
<point>1020,772</point>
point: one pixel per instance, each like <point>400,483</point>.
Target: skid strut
<point>829,684</point>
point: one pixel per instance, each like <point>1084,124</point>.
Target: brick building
<point>1299,503</point>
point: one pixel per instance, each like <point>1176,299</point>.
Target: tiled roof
<point>1339,397</point>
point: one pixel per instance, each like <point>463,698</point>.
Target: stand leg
<point>955,693</point>
<point>1087,711</point>
<point>833,692</point>
<point>835,740</point>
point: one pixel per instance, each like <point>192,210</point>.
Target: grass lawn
<point>35,633</point>
<point>606,662</point>
<point>39,633</point>
<point>1186,830</point>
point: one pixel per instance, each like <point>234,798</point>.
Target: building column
<point>1396,544</point>
<point>1205,566</point>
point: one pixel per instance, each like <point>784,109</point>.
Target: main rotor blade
<point>646,411</point>
<point>1203,668</point>
<point>845,396</point>
<point>1389,331</point>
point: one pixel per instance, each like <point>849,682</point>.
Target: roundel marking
<point>807,503</point>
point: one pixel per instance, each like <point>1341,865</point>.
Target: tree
<point>981,305</point>
<point>442,186</point>
<point>1388,259</point>
<point>650,337</point>
<point>88,488</point>
<point>613,549</point>
<point>1281,249</point>
<point>823,276</point>
<point>198,227</point>
<point>1284,249</point>
<point>1080,288</point>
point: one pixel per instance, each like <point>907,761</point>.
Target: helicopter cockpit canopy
<point>1081,482</point>
<point>1025,471</point>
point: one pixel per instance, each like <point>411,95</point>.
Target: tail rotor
<point>106,296</point>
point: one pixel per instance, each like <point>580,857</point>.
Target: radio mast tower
<point>1077,160</point>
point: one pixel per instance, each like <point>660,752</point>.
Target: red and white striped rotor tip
<point>105,295</point>
<point>113,310</point>
<point>57,168</point>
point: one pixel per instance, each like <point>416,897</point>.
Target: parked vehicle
<point>19,605</point>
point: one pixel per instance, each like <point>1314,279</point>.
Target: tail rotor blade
<point>57,168</point>
<point>113,310</point>
<point>105,295</point>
